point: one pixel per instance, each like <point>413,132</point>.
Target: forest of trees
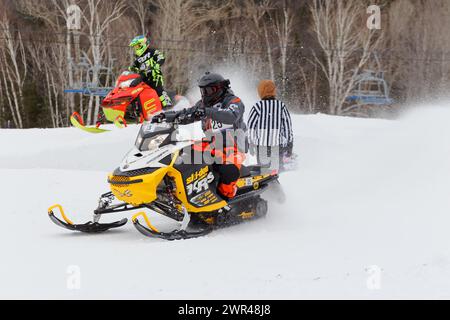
<point>313,49</point>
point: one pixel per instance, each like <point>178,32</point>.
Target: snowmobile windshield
<point>126,84</point>
<point>152,136</point>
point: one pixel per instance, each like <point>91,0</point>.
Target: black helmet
<point>213,87</point>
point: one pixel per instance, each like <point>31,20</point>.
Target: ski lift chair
<point>370,89</point>
<point>92,88</point>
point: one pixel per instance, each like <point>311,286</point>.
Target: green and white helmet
<point>140,44</point>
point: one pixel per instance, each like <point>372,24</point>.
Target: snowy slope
<point>367,193</point>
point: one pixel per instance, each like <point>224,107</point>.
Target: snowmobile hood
<point>137,190</point>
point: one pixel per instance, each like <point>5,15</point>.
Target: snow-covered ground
<point>368,208</point>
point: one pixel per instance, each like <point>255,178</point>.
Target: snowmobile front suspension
<point>105,205</point>
<point>120,122</point>
<point>124,207</point>
<point>183,233</point>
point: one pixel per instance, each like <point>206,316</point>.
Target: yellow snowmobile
<point>157,174</point>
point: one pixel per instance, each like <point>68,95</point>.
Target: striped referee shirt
<point>270,124</point>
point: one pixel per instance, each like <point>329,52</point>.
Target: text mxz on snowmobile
<point>157,174</point>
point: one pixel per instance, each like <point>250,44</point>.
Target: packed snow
<point>366,216</point>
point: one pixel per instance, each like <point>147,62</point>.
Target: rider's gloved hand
<point>133,69</point>
<point>159,118</point>
<point>171,116</point>
<point>135,82</point>
<point>199,114</point>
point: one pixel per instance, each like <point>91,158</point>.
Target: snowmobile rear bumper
<point>90,227</point>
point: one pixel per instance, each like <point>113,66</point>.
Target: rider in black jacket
<point>222,116</point>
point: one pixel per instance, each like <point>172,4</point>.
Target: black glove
<point>159,118</point>
<point>135,82</point>
<point>171,116</point>
<point>199,114</point>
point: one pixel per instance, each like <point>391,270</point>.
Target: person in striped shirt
<point>270,128</point>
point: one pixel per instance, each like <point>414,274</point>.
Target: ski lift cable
<point>215,54</point>
<point>275,46</point>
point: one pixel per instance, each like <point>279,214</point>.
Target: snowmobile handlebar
<point>180,117</point>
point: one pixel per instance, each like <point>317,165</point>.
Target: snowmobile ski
<point>78,122</point>
<point>182,234</point>
<point>90,227</point>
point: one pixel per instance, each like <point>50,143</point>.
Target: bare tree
<point>284,27</point>
<point>309,88</point>
<point>54,14</point>
<point>140,8</point>
<point>2,104</point>
<point>14,69</point>
<point>257,11</point>
<point>98,15</point>
<point>346,45</point>
<point>180,27</point>
<point>47,62</point>
<point>420,49</point>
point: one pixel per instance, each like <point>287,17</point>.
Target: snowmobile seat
<point>250,171</point>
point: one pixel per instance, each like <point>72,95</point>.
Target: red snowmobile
<point>124,104</point>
